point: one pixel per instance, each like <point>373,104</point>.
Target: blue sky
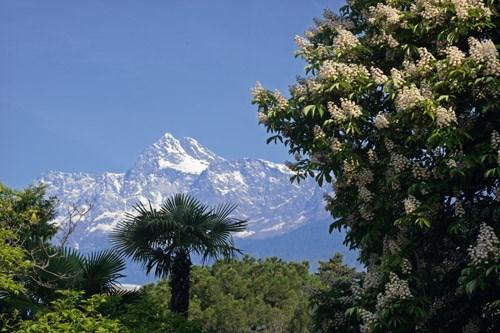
<point>87,85</point>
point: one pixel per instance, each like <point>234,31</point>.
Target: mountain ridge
<point>261,190</point>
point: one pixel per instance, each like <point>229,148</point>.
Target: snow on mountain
<point>261,189</point>
<point>263,193</point>
<point>168,153</point>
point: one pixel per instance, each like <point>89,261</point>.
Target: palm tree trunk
<point>179,283</point>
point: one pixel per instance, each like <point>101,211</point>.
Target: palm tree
<point>95,273</point>
<point>164,240</point>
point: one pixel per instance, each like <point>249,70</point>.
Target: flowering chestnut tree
<point>399,111</point>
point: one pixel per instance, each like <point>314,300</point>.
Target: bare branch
<point>74,215</point>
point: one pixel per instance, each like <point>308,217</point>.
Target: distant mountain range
<point>285,220</point>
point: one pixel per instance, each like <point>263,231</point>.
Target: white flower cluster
<point>399,162</point>
<point>437,305</point>
<point>336,145</point>
<point>312,32</point>
<point>319,134</point>
<point>426,61</point>
<point>349,167</point>
<point>263,118</point>
<point>407,98</point>
<point>395,184</point>
<point>451,163</point>
<point>454,56</point>
<point>338,318</point>
<point>420,172</point>
<point>445,117</point>
<point>396,289</point>
<point>304,45</point>
<point>409,67</point>
<point>364,194</point>
<point>258,92</point>
<point>347,109</point>
<point>280,100</point>
<point>357,291</point>
<point>345,40</point>
<point>487,247</point>
<point>383,38</point>
<point>350,108</point>
<point>495,140</point>
<point>373,279</point>
<point>372,156</point>
<point>459,209</point>
<point>390,247</point>
<point>312,85</point>
<point>368,320</point>
<point>411,204</point>
<point>381,121</point>
<point>463,8</point>
<point>389,145</point>
<point>428,9</point>
<point>426,89</point>
<point>406,266</point>
<point>364,178</point>
<point>378,76</point>
<point>298,90</point>
<point>384,13</point>
<point>331,70</point>
<point>335,112</point>
<point>397,78</point>
<point>485,52</point>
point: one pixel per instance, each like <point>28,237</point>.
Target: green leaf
<point>471,286</point>
<point>423,222</point>
<point>309,109</point>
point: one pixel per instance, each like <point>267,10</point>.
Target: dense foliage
<point>246,295</point>
<point>334,297</point>
<point>47,288</point>
<point>25,231</point>
<point>399,110</point>
<point>253,296</point>
<point>75,293</point>
<point>71,314</point>
<point>12,262</point>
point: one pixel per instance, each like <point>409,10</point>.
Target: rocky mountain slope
<point>261,189</point>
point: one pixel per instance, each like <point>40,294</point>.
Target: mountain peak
<point>261,189</point>
<point>185,155</point>
<point>167,143</point>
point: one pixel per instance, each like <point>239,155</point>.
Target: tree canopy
<point>399,111</point>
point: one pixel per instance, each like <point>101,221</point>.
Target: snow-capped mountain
<point>261,189</point>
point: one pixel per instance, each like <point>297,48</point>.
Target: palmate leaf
<point>101,271</point>
<point>58,268</point>
<point>135,235</point>
<point>183,224</point>
<point>67,268</point>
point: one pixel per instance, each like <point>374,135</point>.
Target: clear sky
<point>87,85</point>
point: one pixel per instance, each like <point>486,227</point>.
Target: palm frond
<point>154,237</point>
<point>58,268</point>
<point>101,271</point>
<point>135,233</point>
